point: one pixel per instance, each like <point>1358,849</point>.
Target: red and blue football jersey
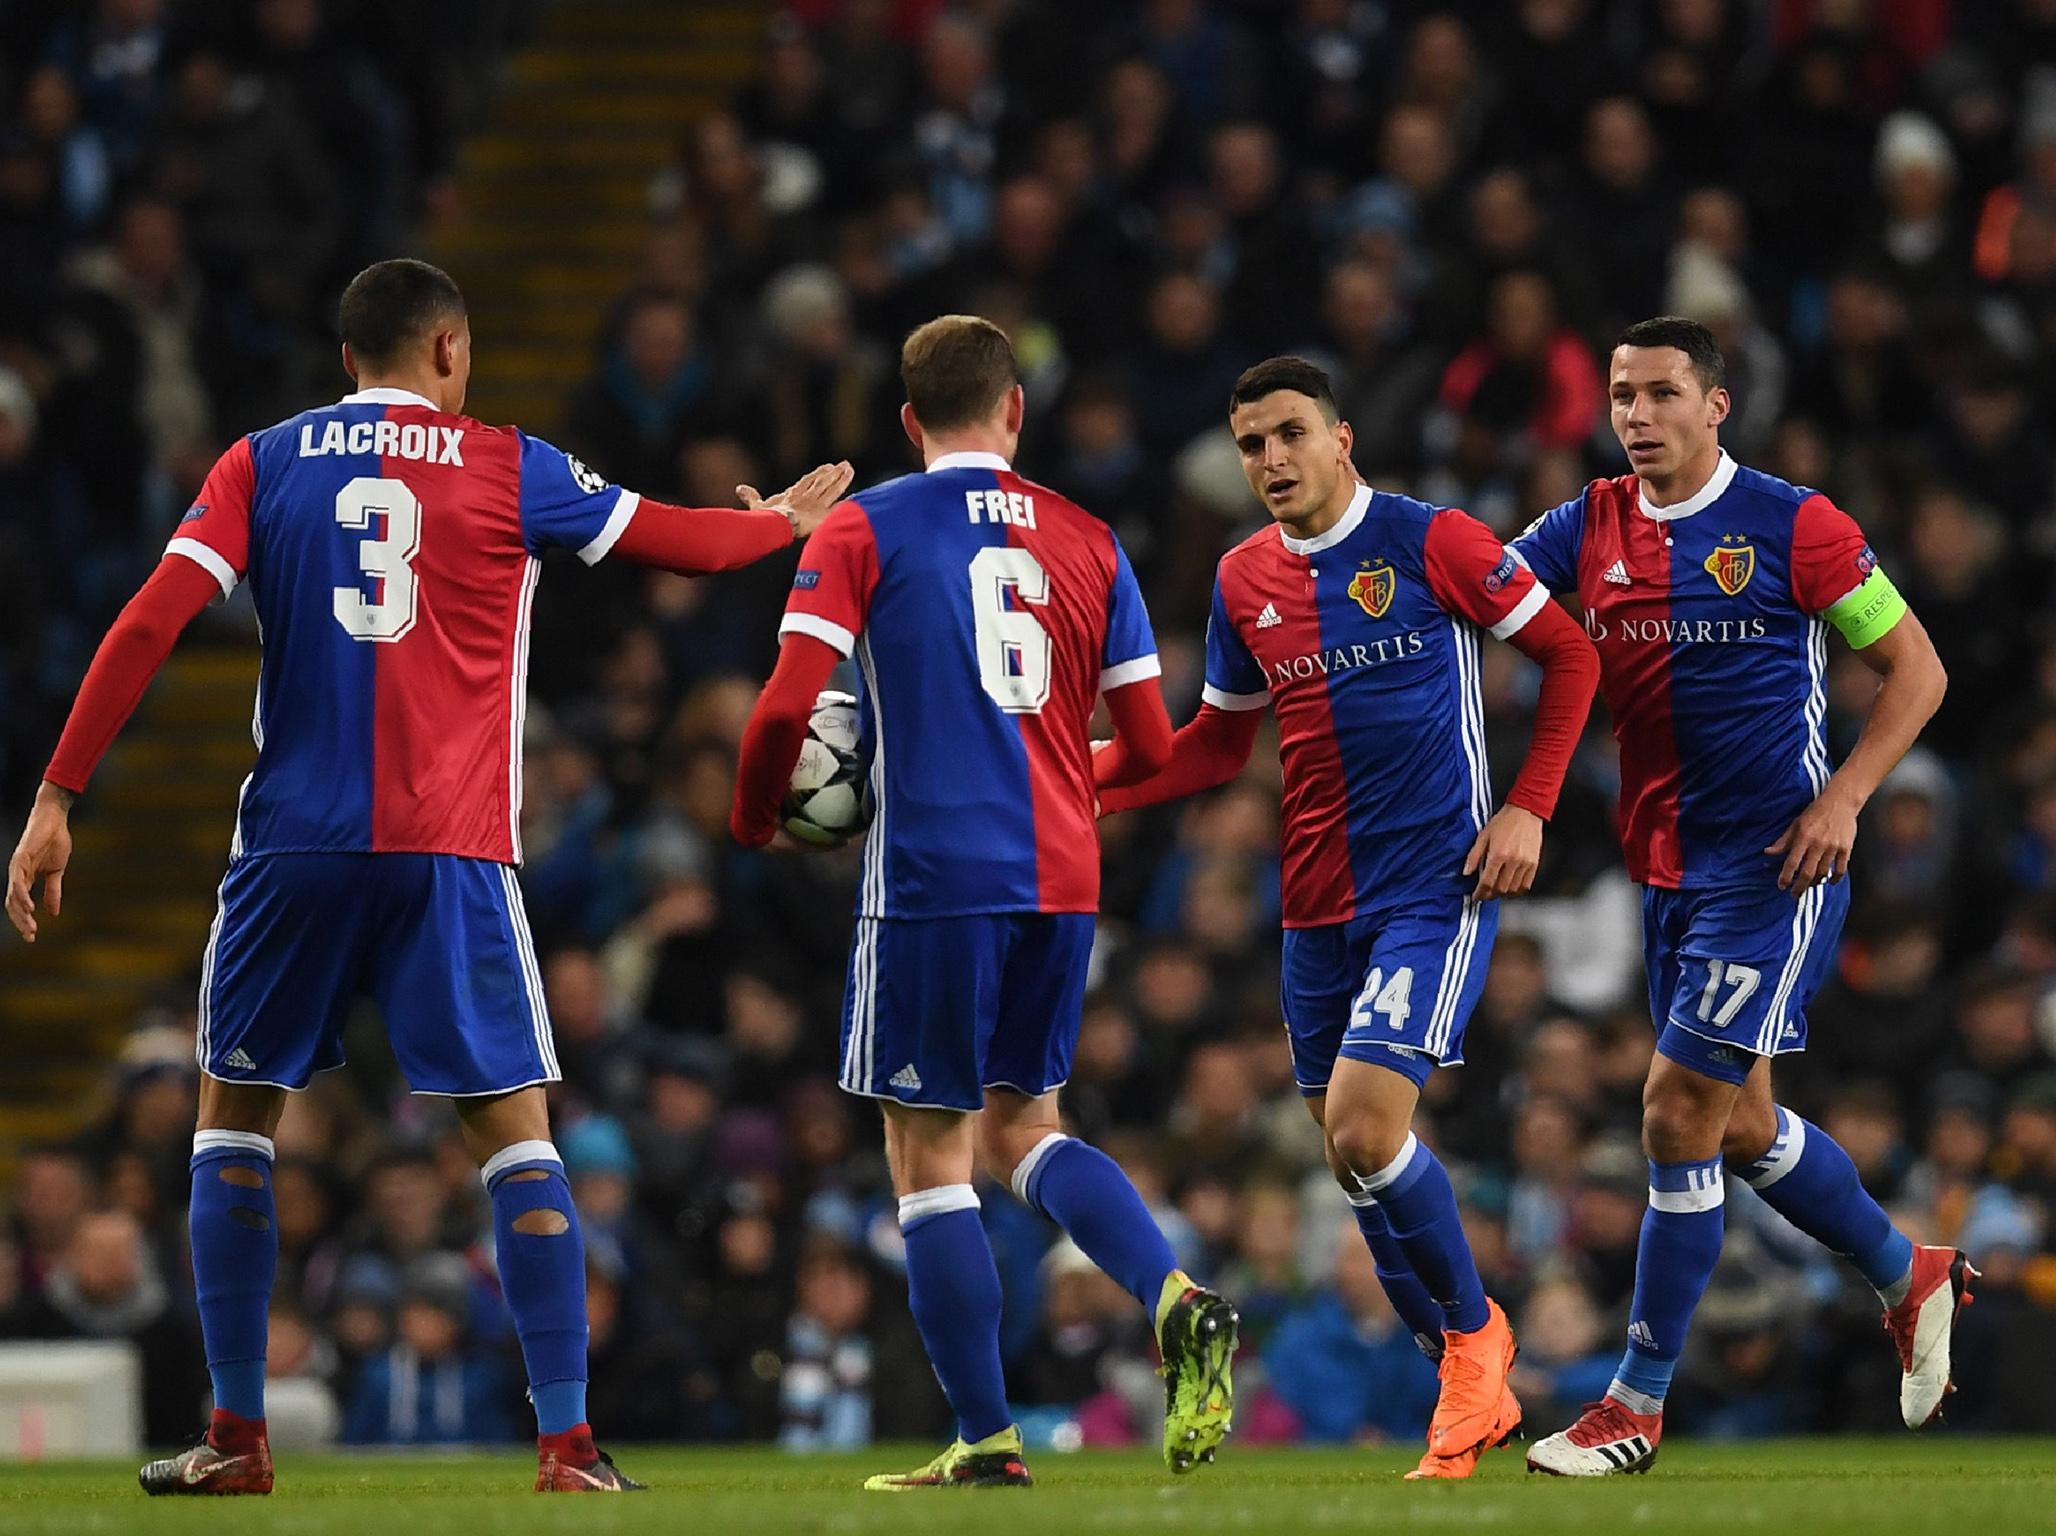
<point>986,614</point>
<point>1713,653</point>
<point>392,551</point>
<point>1364,640</point>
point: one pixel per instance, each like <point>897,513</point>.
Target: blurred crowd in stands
<point>1453,208</point>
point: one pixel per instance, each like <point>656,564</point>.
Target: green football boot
<point>1196,1331</point>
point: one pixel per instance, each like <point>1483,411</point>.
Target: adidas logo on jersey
<point>240,1060</point>
<point>906,1077</point>
<point>1617,573</point>
<point>1268,619</point>
<point>1640,1333</point>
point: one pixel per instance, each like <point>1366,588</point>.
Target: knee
<point>1677,1127</point>
<point>1361,1143</point>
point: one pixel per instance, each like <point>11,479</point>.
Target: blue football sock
<point>1681,1237</point>
<point>953,1292</point>
<point>1082,1190</point>
<point>542,1274</point>
<point>1421,1313</point>
<point>1420,1208</point>
<point>1808,1179</point>
<point>233,1229</point>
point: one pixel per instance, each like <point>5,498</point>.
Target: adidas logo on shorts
<point>1268,619</point>
<point>1617,573</point>
<point>906,1077</point>
<point>240,1060</point>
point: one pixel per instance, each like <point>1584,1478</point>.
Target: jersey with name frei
<point>1713,658</point>
<point>1365,642</point>
<point>986,614</point>
<point>392,552</point>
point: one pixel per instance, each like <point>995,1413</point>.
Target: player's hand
<point>42,853</point>
<point>807,500</point>
<point>1817,844</point>
<point>1505,854</point>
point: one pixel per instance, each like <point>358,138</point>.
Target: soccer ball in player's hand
<point>825,803</point>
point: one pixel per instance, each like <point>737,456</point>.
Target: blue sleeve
<point>1131,651</point>
<point>1549,548</point>
<point>565,505</point>
<point>1234,678</point>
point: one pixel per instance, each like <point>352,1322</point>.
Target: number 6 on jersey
<point>388,558</point>
<point>1013,647</point>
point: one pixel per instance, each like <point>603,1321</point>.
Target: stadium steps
<point>554,192</point>
<point>148,848</point>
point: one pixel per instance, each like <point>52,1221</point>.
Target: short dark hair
<point>1689,337</point>
<point>1294,373</point>
<point>956,369</point>
<point>392,303</point>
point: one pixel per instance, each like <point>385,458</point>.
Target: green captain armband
<point>1868,613</point>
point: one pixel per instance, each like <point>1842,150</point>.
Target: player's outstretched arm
<point>1509,847</point>
<point>698,541</point>
<point>1477,578</point>
<point>128,658</point>
<point>1818,843</point>
<point>1142,736</point>
<point>1206,753</point>
<point>771,741</point>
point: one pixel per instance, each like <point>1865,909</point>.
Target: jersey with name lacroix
<point>987,614</point>
<point>391,550</point>
<point>1364,640</point>
<point>1713,658</point>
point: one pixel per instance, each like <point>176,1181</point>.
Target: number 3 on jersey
<point>388,558</point>
<point>1013,647</point>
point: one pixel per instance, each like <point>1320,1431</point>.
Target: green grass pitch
<point>1784,1488</point>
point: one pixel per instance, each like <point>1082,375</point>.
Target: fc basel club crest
<point>1732,563</point>
<point>1373,586</point>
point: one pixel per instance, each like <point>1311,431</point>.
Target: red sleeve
<point>215,532</point>
<point>135,647</point>
<point>1475,577</point>
<point>771,741</point>
<point>1142,735</point>
<point>1208,752</point>
<point>1830,556</point>
<point>1570,674</point>
<point>697,541</point>
<point>831,591</point>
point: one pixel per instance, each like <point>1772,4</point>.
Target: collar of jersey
<point>1716,484</point>
<point>970,459</point>
<point>1344,527</point>
<point>385,396</point>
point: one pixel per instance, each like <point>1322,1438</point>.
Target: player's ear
<point>1345,439</point>
<point>911,425</point>
<point>349,362</point>
<point>445,354</point>
<point>1719,403</point>
<point>1017,409</point>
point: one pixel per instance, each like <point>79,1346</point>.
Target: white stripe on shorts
<point>531,974</point>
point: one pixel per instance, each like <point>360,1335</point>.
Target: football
<point>827,802</point>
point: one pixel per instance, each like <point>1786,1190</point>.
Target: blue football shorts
<point>1733,968</point>
<point>440,943</point>
<point>1394,989</point>
<point>939,1009</point>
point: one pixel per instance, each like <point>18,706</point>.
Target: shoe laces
<point>1605,1421</point>
<point>1899,1325</point>
<point>1461,1367</point>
